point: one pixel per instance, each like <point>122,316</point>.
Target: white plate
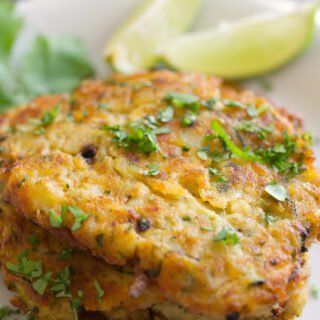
<point>296,87</point>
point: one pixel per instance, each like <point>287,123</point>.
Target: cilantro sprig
<point>57,220</point>
<point>49,65</point>
<point>221,133</point>
<point>7,311</point>
<point>227,236</point>
<point>138,136</point>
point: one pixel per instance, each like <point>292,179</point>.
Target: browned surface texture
<point>185,206</point>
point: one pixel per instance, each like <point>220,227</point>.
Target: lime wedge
<point>133,46</point>
<point>245,48</point>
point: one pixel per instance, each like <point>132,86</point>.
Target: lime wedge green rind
<point>134,45</point>
<point>246,48</point>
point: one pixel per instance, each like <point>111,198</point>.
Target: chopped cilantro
<point>166,114</point>
<point>227,236</point>
<point>277,191</point>
<point>100,292</point>
<point>138,136</point>
<point>55,220</point>
<point>248,126</point>
<point>26,267</point>
<point>153,170</point>
<point>203,154</point>
<point>41,284</point>
<point>213,171</point>
<point>79,216</point>
<point>234,104</point>
<point>100,240</point>
<point>268,218</point>
<point>65,253</point>
<point>34,240</point>
<point>183,100</point>
<point>49,116</point>
<point>188,119</point>
<point>254,112</point>
<point>6,311</point>
<point>186,218</point>
<point>185,148</point>
<point>279,154</point>
<point>246,155</point>
<point>61,285</point>
<point>210,104</point>
<point>76,303</point>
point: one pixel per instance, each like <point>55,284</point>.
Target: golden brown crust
<point>185,205</point>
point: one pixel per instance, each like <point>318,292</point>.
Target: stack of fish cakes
<point>159,195</point>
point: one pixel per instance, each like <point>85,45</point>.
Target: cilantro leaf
<point>268,218</point>
<point>55,220</point>
<point>50,64</point>
<point>6,311</point>
<point>277,191</point>
<point>61,286</point>
<point>227,236</point>
<point>49,116</point>
<point>34,240</point>
<point>166,114</point>
<point>100,291</point>
<point>153,170</point>
<point>10,25</point>
<point>79,216</point>
<point>41,284</point>
<point>183,100</point>
<point>246,155</point>
<point>54,65</point>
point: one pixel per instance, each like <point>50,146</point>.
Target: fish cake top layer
<point>167,172</point>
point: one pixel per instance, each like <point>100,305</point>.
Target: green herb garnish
<point>234,104</point>
<point>76,303</point>
<point>100,240</point>
<point>166,114</point>
<point>55,220</point>
<point>188,119</point>
<point>61,285</point>
<point>138,136</point>
<point>34,240</point>
<point>79,216</point>
<point>65,253</point>
<point>100,292</point>
<point>183,100</point>
<point>6,311</point>
<point>26,267</point>
<point>49,64</point>
<point>41,284</point>
<point>246,155</point>
<point>277,191</point>
<point>227,236</point>
<point>153,170</point>
<point>247,126</point>
<point>269,219</point>
<point>49,116</point>
<point>203,154</point>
